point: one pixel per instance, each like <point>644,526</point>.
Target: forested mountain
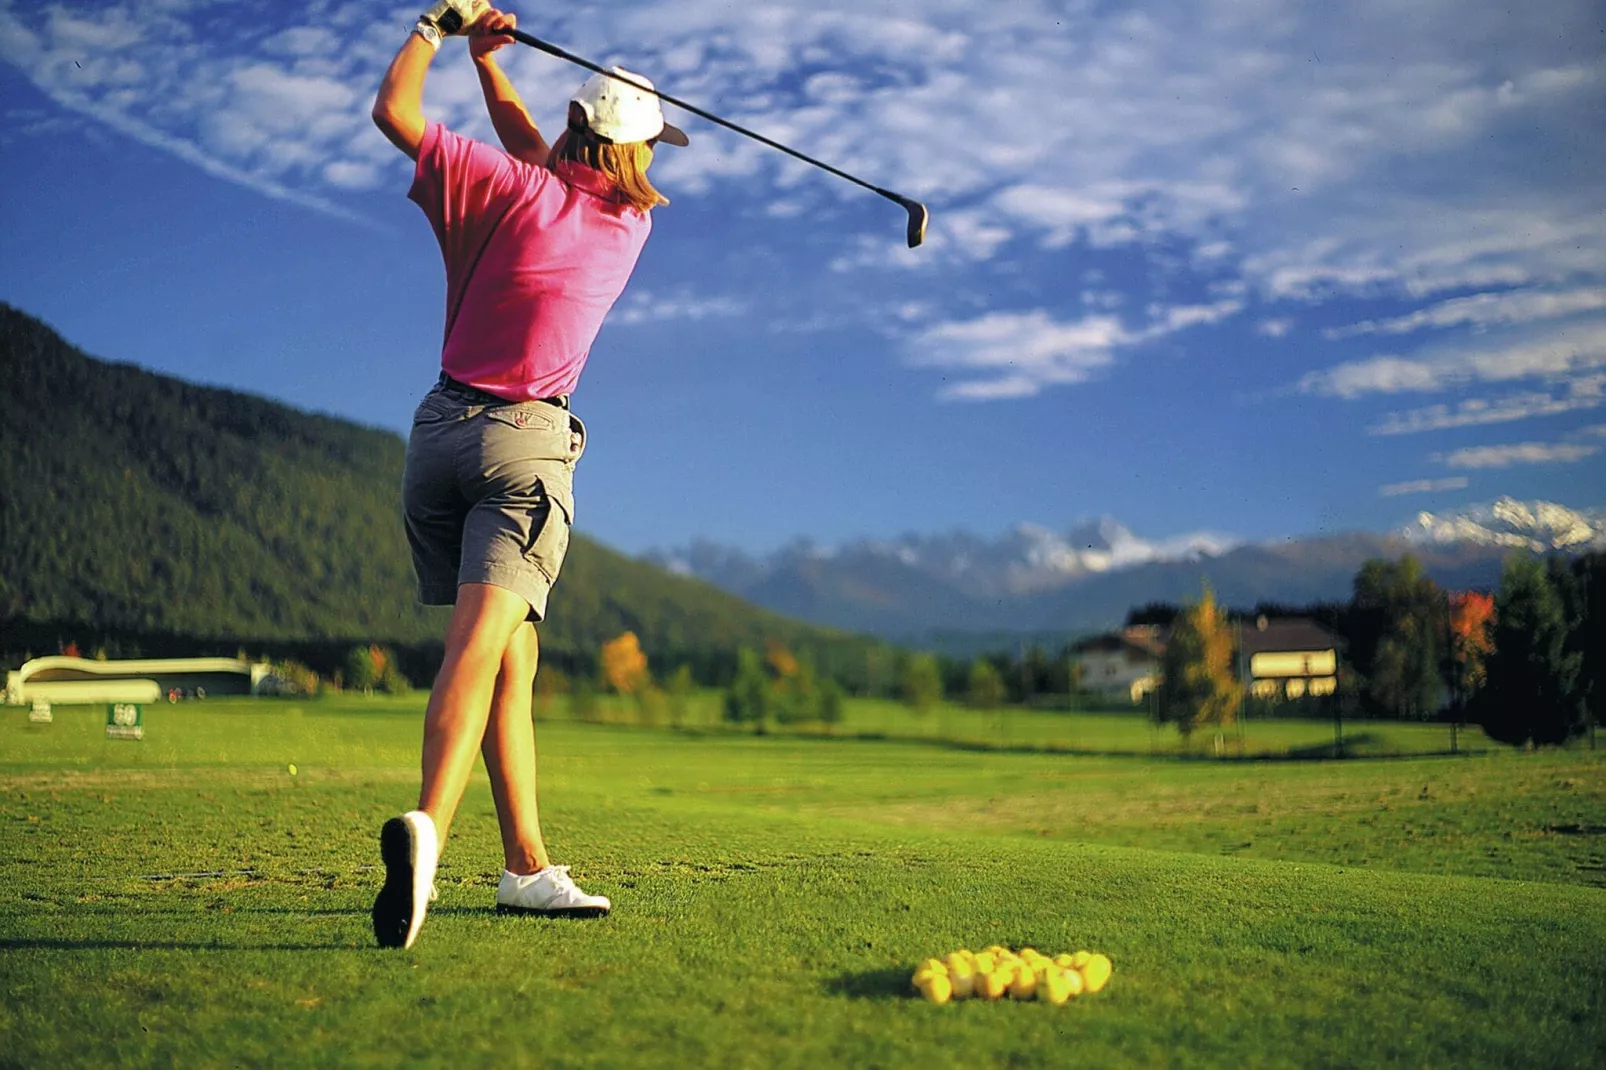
<point>145,505</point>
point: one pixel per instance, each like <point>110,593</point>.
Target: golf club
<point>917,211</point>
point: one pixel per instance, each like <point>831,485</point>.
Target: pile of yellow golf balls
<point>1027,974</point>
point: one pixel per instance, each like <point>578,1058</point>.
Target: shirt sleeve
<point>465,187</point>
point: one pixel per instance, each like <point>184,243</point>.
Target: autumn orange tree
<point>1199,686</point>
<point>1471,641</point>
<point>624,665</point>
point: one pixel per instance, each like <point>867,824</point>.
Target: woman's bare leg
<point>509,751</point>
<point>485,619</point>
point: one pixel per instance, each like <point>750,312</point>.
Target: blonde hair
<point>625,165</point>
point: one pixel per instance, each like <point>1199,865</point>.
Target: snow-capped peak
<point>1537,526</point>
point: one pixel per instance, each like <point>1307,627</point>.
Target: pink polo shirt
<point>534,261</point>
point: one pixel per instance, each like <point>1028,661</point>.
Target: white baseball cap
<point>617,110</point>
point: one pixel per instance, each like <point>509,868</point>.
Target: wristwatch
<point>429,32</point>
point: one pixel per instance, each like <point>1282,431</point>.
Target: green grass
<point>185,900</point>
<point>1112,730</point>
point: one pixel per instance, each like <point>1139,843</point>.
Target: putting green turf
<point>185,900</point>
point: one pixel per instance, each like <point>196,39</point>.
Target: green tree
<point>550,682</point>
<point>361,670</point>
<point>1531,694</point>
<point>920,682</point>
<point>1587,638</point>
<point>986,691</point>
<point>391,679</point>
<point>679,690</point>
<point>1409,616</point>
<point>748,700</point>
<point>1199,685</point>
<point>797,692</point>
<point>583,699</point>
<point>832,700</point>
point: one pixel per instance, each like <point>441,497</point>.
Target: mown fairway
<point>187,901</point>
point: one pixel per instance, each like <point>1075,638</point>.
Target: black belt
<point>485,397</point>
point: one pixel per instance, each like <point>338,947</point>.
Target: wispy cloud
<point>1018,352</point>
<point>1485,310</point>
<point>1559,353</point>
<point>1515,454</point>
<point>1583,392</point>
<point>644,307</point>
<point>1423,486</point>
<point>1021,353</point>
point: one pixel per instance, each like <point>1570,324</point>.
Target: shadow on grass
<point>1320,752</point>
<point>889,983</point>
<point>56,944</point>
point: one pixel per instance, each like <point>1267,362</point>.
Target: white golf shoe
<point>550,893</point>
<point>409,849</point>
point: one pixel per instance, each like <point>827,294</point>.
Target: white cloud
<point>1064,214</point>
<point>352,175</point>
<point>1023,352</point>
<point>1516,453</point>
<point>1377,375</point>
<point>1019,352</point>
<point>1179,317</point>
<point>1275,328</point>
<point>1584,392</point>
<point>301,41</point>
<point>644,307</point>
<point>1485,310</point>
<point>1554,354</point>
<point>1423,486</point>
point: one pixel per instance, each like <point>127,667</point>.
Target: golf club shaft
<point>554,50</point>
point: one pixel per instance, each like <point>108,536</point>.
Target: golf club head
<point>918,217</point>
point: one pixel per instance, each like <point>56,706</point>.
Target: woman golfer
<point>538,241</point>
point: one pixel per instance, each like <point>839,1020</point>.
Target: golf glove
<point>454,16</point>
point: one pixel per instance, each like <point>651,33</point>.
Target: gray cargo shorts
<point>488,494</point>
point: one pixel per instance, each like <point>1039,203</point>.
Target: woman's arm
<point>399,107</point>
<point>515,128</point>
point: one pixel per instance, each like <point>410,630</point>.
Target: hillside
<point>143,504</point>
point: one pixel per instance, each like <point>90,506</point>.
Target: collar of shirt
<point>587,180</point>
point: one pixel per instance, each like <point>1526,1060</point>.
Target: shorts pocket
<point>432,410</point>
<point>549,538</point>
<point>533,416</point>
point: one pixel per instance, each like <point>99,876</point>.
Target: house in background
<point>1288,658</point>
<point>1124,663</point>
<point>1279,659</point>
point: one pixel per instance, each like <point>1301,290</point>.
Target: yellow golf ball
<point>936,988</point>
<point>1096,972</point>
<point>1053,987</point>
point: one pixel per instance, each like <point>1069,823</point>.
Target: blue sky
<point>1247,267</point>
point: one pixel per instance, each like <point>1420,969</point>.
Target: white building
<point>65,680</point>
<point>1125,663</point>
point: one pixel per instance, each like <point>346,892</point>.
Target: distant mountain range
<point>1033,580</point>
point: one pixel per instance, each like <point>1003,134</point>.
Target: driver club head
<point>918,217</point>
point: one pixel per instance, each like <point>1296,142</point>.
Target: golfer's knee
<point>522,655</point>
